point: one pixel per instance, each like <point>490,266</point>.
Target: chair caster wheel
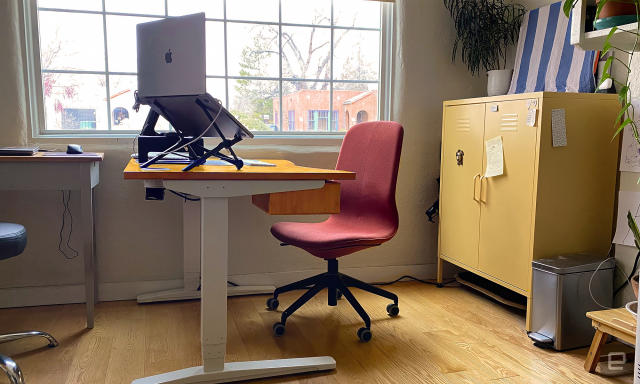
<point>272,304</point>
<point>278,329</point>
<point>440,285</point>
<point>364,334</point>
<point>393,310</point>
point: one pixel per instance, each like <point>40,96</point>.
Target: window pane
<point>123,116</point>
<point>85,5</point>
<point>121,40</point>
<point>356,55</point>
<point>147,7</point>
<point>252,10</point>
<point>355,102</point>
<point>74,102</point>
<point>71,41</point>
<point>216,88</point>
<point>306,12</point>
<point>252,101</point>
<point>213,9</point>
<point>215,48</point>
<point>356,13</point>
<point>306,52</point>
<point>308,103</point>
<point>252,50</point>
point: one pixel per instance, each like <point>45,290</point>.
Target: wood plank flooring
<point>449,335</point>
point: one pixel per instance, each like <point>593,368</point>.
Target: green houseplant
<point>484,31</point>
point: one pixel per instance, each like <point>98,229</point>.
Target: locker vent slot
<point>463,125</point>
<point>509,122</point>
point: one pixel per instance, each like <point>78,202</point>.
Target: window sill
<point>278,143</point>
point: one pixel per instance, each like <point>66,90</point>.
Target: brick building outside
<point>308,109</point>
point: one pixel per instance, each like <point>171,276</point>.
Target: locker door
<point>507,200</point>
<point>459,208</point>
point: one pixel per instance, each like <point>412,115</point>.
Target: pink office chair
<point>368,217</point>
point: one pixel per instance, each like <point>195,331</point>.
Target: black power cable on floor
<point>416,279</point>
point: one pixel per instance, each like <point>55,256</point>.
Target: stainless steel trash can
<point>561,299</point>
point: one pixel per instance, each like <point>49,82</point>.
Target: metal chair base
<point>11,369</point>
<point>337,284</point>
<point>8,365</point>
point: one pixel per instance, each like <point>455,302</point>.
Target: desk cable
<point>65,203</point>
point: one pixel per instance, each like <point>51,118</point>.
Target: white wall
<point>140,241</point>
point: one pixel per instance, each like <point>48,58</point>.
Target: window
<point>310,57</point>
<point>291,120</point>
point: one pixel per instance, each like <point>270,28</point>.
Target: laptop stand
<point>152,141</point>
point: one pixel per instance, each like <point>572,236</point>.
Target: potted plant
<point>484,31</point>
<point>612,13</point>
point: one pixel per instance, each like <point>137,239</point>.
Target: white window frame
<point>35,100</point>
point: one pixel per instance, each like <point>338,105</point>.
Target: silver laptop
<point>172,56</point>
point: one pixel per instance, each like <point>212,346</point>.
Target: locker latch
<point>459,157</point>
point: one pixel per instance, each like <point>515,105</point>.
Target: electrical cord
<point>65,211</point>
<point>414,279</point>
<point>633,272</point>
<point>175,147</point>
<point>184,196</point>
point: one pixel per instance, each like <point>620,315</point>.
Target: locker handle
<point>483,196</point>
<point>474,188</point>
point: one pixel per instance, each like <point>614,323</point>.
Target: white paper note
<point>495,157</point>
<point>627,202</point>
<point>630,158</point>
<point>558,128</point>
<point>531,117</point>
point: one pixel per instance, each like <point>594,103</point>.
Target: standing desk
<point>215,185</point>
<point>59,171</point>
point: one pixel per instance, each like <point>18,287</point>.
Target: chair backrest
<point>372,150</point>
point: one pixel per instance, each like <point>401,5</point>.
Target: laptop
<point>172,77</point>
<point>172,56</point>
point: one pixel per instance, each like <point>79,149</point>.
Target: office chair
<point>368,217</point>
<point>13,240</point>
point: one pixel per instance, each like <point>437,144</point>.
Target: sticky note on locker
<point>495,157</point>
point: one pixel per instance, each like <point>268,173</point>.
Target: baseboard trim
<point>74,293</point>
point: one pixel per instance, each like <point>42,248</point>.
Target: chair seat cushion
<point>13,240</point>
<point>332,238</point>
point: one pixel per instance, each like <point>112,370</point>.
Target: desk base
<point>189,294</point>
<point>240,371</point>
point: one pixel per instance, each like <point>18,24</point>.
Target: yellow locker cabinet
<point>550,199</point>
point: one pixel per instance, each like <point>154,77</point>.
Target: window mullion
<point>280,51</point>
<point>226,60</point>
<point>106,64</point>
<point>331,72</point>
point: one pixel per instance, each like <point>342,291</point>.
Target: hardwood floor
<point>448,335</point>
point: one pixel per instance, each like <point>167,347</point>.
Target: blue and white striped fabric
<point>545,58</point>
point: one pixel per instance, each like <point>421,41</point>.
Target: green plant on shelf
<point>626,116</point>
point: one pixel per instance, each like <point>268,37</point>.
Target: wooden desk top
<point>284,170</point>
<point>619,319</point>
<point>55,157</point>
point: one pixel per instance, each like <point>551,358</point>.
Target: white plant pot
<point>499,81</point>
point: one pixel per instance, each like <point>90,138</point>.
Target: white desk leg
<point>88,250</point>
<point>215,248</point>
<point>191,266</point>
<point>213,287</point>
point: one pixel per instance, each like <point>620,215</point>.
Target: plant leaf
<point>634,228</point>
<point>607,43</point>
<point>567,7</point>
<point>601,4</point>
<point>621,127</point>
